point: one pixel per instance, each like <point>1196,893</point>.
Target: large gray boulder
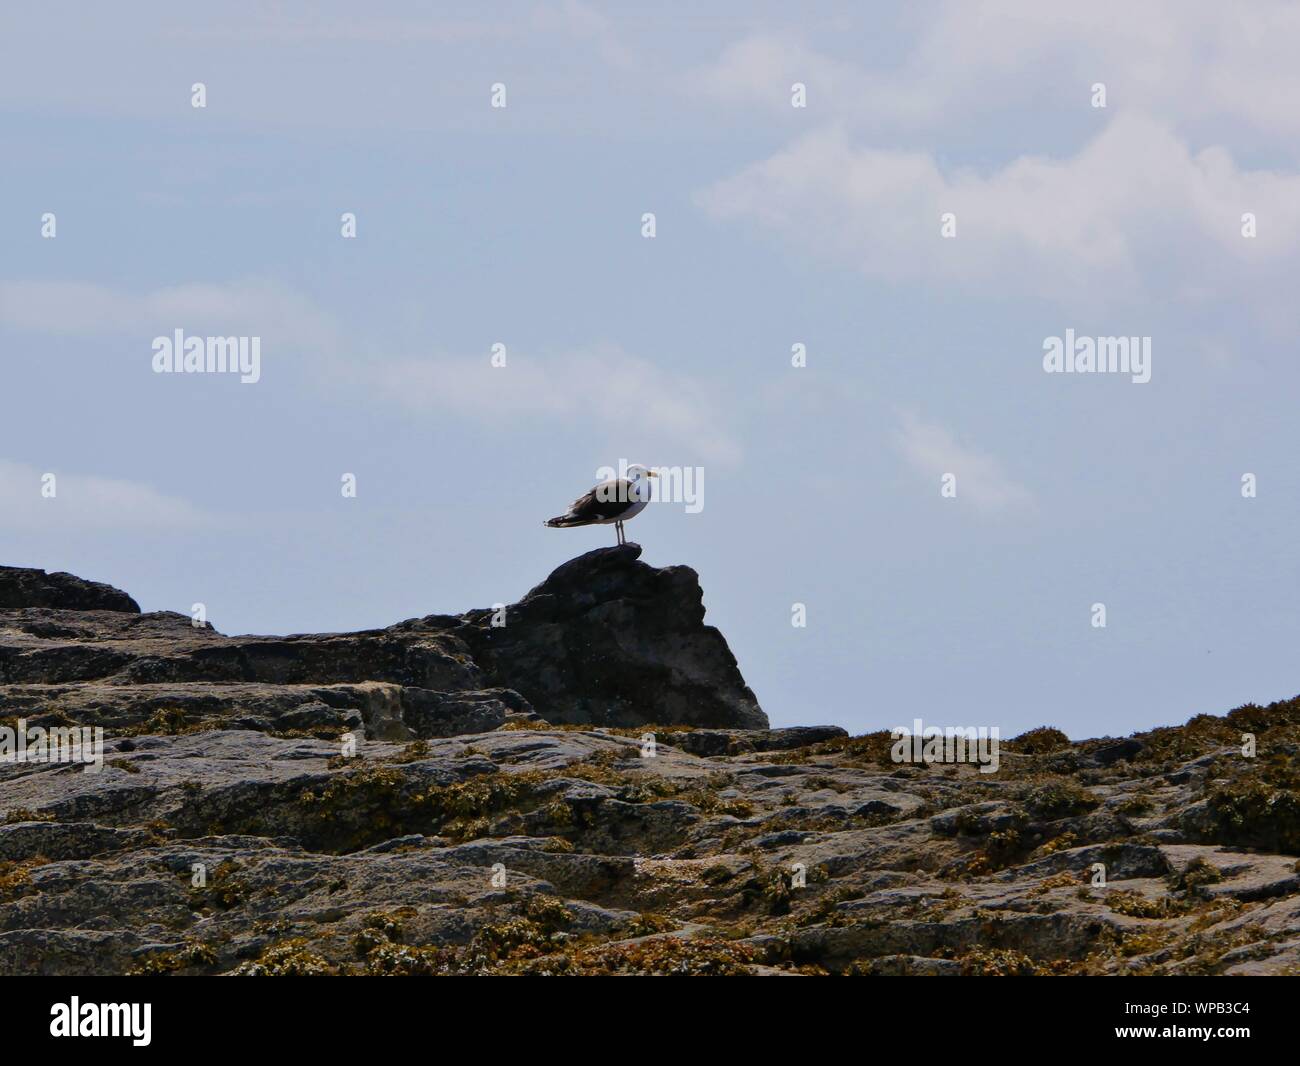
<point>609,640</point>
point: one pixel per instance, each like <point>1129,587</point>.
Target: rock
<point>318,716</point>
<point>1123,749</point>
<point>450,714</point>
<point>909,966</point>
<point>1122,861</point>
<point>499,814</point>
<point>1218,872</point>
<point>23,841</point>
<point>20,587</point>
<point>1058,936</point>
<point>734,741</point>
<point>605,639</point>
<point>608,640</point>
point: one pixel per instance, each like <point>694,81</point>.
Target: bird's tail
<point>560,521</point>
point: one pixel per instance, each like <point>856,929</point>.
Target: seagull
<point>613,501</point>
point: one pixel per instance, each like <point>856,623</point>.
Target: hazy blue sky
<point>776,225</point>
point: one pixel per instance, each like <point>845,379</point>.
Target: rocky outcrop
<point>396,802</point>
<point>605,639</point>
<point>21,587</point>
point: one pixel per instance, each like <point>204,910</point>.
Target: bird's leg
<point>618,531</point>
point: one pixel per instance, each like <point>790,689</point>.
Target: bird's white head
<point>635,472</point>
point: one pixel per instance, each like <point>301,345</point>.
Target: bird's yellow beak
<point>651,473</point>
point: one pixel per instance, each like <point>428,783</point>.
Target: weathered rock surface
<point>23,587</point>
<point>605,639</point>
<point>232,831</point>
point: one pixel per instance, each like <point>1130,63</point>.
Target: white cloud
<point>1186,60</point>
<point>934,452</point>
<point>86,501</point>
<point>1134,211</point>
<point>602,389</point>
<point>761,68</point>
<point>251,307</point>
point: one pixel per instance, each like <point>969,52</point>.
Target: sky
<point>943,513</point>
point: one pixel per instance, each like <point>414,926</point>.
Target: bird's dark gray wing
<point>609,499</point>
